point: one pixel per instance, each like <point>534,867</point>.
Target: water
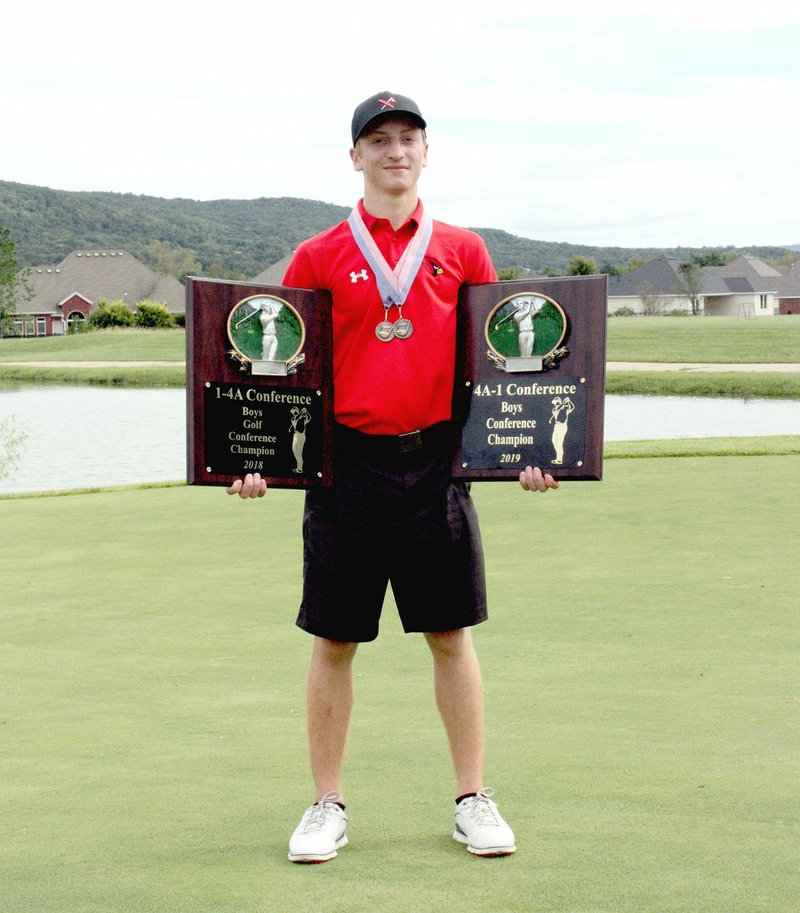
<point>80,436</point>
<point>643,418</point>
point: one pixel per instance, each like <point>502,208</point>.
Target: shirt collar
<point>372,221</point>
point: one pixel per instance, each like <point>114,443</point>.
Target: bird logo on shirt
<point>436,269</point>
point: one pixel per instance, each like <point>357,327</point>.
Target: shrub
<point>624,311</point>
<point>78,326</point>
<point>180,320</point>
<point>11,445</point>
<point>111,314</point>
<point>153,314</point>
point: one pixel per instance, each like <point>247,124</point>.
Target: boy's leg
<point>329,703</point>
<point>322,830</point>
<point>459,697</point>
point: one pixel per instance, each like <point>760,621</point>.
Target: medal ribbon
<point>393,284</point>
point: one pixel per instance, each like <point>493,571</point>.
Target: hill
<point>242,236</point>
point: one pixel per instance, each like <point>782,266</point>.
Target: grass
<point>697,447</point>
<point>765,384</point>
<point>664,383</point>
<point>118,344</point>
<point>705,339</point>
<point>114,376</point>
<point>665,339</point>
<point>641,690</point>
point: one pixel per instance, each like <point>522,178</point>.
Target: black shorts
<point>392,516</point>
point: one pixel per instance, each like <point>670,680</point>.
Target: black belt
<point>410,442</point>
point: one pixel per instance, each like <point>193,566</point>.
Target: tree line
<point>237,239</point>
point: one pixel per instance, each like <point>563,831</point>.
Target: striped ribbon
<point>393,284</point>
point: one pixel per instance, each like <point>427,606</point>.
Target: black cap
<point>384,103</point>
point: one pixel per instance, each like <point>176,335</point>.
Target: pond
<point>82,436</point>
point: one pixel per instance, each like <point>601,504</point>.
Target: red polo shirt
<point>404,384</point>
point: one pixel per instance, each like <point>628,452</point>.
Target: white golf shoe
<point>481,826</point>
<point>321,831</point>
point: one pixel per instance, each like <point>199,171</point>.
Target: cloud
<point>592,122</point>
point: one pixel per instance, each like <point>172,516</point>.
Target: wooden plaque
<point>259,384</point>
<point>530,383</point>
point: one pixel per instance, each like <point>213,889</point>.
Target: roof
<point>745,275</point>
<point>273,275</point>
<point>661,275</point>
<point>96,274</point>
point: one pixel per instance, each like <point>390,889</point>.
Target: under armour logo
<point>388,102</point>
<point>354,276</point>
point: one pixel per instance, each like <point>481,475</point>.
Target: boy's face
<point>391,156</point>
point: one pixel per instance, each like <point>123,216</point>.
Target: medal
<point>403,328</point>
<point>385,329</point>
<point>393,284</point>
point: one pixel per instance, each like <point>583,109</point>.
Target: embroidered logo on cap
<point>388,102</point>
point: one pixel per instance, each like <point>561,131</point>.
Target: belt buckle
<point>410,442</point>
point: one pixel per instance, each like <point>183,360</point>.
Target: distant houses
<point>747,287</point>
<point>67,292</point>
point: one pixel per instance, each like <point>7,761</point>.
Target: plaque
<point>258,385</point>
<point>530,382</point>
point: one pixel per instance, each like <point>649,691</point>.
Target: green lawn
<point>767,384</point>
<point>642,702</point>
<point>694,339</point>
<point>102,345</point>
<point>704,339</point>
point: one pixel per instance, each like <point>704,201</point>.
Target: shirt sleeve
<point>301,273</point>
<point>481,268</point>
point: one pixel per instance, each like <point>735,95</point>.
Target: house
<point>273,275</point>
<point>68,291</point>
<point>747,287</point>
<point>789,299</point>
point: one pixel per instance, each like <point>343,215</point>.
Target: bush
<point>153,314</point>
<point>624,311</point>
<point>111,314</point>
<point>78,326</point>
<point>180,320</point>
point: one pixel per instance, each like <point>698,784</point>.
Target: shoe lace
<point>483,810</point>
<point>317,815</point>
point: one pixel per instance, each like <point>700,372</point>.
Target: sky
<point>589,123</point>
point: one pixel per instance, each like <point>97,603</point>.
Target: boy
<point>393,514</point>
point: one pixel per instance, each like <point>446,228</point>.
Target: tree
<point>786,259</point>
<point>631,265</point>
<point>510,272</point>
<point>709,258</point>
<point>172,260</point>
<point>690,283</point>
<point>218,270</point>
<point>653,303</point>
<point>581,266</point>
<point>15,289</point>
